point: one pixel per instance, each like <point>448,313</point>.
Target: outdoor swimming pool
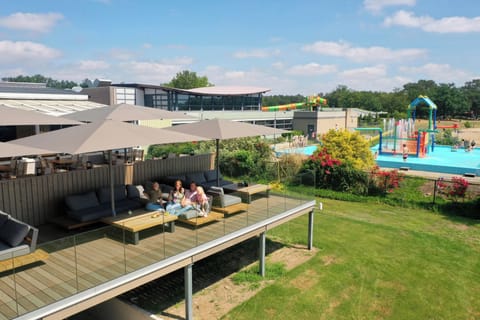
<point>308,150</point>
<point>442,159</point>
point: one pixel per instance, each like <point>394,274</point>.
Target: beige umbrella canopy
<point>18,117</point>
<point>125,112</point>
<point>103,135</point>
<point>221,129</point>
<point>8,149</point>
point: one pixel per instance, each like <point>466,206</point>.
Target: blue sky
<point>291,47</point>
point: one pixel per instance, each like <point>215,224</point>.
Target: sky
<point>291,47</point>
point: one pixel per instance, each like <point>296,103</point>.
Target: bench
<point>226,203</point>
<point>199,221</point>
<point>18,242</point>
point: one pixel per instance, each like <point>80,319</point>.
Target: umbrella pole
<point>218,162</point>
<point>110,169</point>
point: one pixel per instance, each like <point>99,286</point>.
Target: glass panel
<point>99,256</point>
<point>47,280</point>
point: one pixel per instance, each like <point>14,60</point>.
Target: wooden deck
<point>86,260</point>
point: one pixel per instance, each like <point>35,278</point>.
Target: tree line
<point>451,101</point>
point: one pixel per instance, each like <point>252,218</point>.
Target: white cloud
<point>25,52</point>
<point>311,69</point>
<point>121,54</point>
<point>93,65</point>
<point>147,46</point>
<point>256,53</point>
<point>439,73</point>
<point>153,71</point>
<point>429,24</point>
<point>235,74</point>
<point>37,22</point>
<point>365,72</point>
<point>278,65</point>
<point>373,78</point>
<point>376,6</point>
<point>359,54</point>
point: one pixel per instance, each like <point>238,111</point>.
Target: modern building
<point>208,98</point>
<point>225,102</point>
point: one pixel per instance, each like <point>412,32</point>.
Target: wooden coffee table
<point>248,190</point>
<point>140,220</point>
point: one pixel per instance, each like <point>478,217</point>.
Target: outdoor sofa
<point>16,237</point>
<point>94,205</point>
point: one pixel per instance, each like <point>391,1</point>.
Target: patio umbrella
<point>8,149</point>
<point>19,117</point>
<point>220,129</point>
<point>101,136</point>
<point>125,112</point>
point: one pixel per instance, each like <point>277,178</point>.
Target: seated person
<point>175,197</point>
<point>154,198</point>
<point>202,202</point>
<point>188,201</point>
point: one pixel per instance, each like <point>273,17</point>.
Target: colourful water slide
<point>312,101</point>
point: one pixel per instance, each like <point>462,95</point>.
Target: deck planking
<point>99,258</point>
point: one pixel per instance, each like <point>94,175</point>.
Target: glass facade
<point>178,100</point>
<point>157,98</point>
<point>181,101</point>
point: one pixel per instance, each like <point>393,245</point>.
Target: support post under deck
<point>310,230</point>
<point>188,292</point>
<point>261,254</point>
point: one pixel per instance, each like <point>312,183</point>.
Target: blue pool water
<point>442,159</point>
<point>308,150</point>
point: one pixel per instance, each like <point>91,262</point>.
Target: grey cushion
<point>218,190</point>
<point>189,214</point>
<point>13,232</point>
<point>166,188</point>
<point>229,200</point>
<point>198,177</point>
<point>104,194</point>
<point>133,192</point>
<point>81,201</point>
<point>3,217</point>
<point>211,175</point>
<point>90,214</point>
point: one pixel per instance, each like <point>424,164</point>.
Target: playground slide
<point>309,102</point>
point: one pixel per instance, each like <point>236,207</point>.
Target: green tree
<point>188,80</point>
<point>450,100</point>
<point>349,147</point>
<point>38,78</point>
<point>471,90</point>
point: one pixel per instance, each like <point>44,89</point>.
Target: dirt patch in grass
<point>218,299</point>
<point>305,281</point>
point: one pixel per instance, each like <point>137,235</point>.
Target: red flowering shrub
<point>383,181</point>
<point>322,164</point>
<point>453,190</point>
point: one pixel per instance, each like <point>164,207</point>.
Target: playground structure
<point>309,103</point>
<point>396,133</point>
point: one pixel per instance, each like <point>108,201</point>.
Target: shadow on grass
<point>168,290</point>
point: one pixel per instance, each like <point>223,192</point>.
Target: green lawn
<point>376,262</point>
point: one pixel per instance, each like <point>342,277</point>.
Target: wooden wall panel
<point>35,199</point>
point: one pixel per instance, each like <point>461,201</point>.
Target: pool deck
<point>441,161</point>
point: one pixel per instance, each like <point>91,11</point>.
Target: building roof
<point>51,107</point>
<point>226,90</point>
<point>39,93</point>
<point>210,91</point>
